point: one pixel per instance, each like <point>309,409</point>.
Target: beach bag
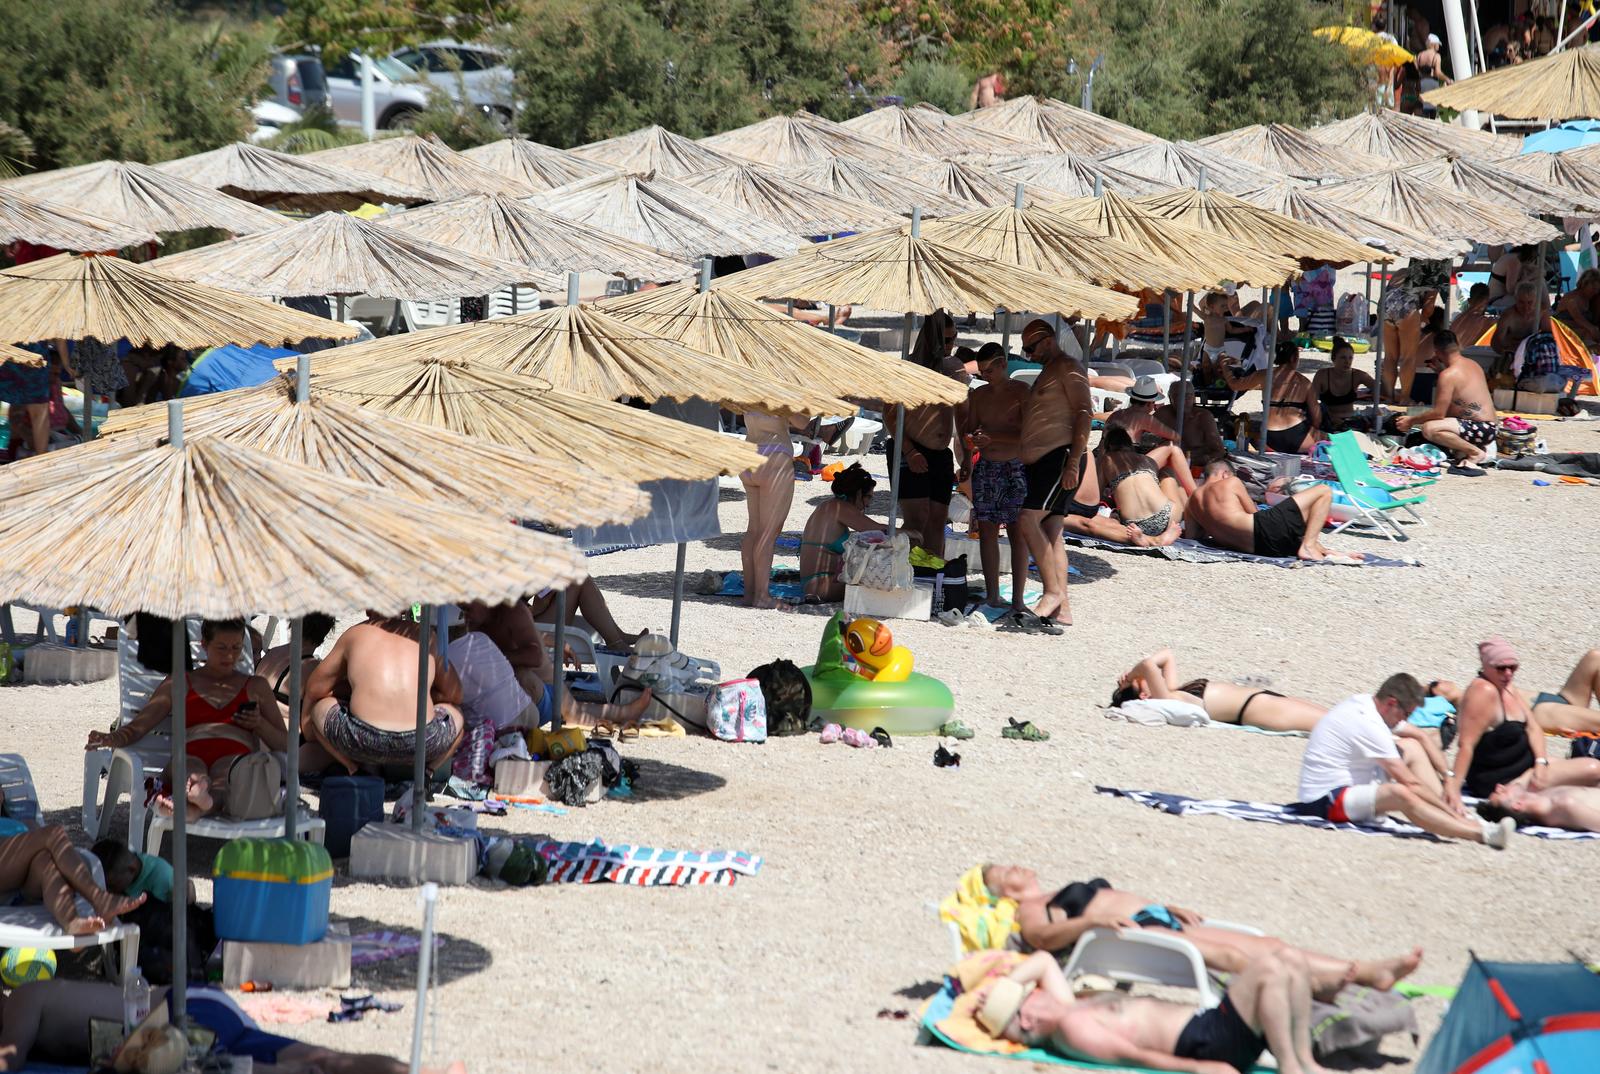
<point>1585,746</point>
<point>254,785</point>
<point>471,762</point>
<point>786,692</point>
<point>737,712</point>
<point>1352,316</point>
<point>876,563</point>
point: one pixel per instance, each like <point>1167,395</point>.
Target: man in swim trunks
<point>1462,419</point>
<point>1267,1004</point>
<point>1054,451</point>
<point>1224,512</point>
<point>991,424</point>
<point>361,701</point>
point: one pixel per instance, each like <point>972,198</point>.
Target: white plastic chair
<point>33,926</point>
<point>18,798</point>
<point>307,827</point>
<point>511,301</point>
<point>420,316</point>
<point>1148,956</point>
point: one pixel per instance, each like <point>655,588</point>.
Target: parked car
<point>298,81</point>
<point>482,70</point>
<point>271,117</point>
<point>397,93</point>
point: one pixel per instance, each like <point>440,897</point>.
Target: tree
<point>381,26</point>
<point>941,84</point>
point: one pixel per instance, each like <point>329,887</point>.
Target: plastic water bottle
<point>135,1000</point>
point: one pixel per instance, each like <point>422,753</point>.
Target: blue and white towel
<point>1194,552</point>
<point>641,866</point>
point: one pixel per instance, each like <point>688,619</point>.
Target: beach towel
<point>1189,551</point>
<point>1182,806</point>
<point>1158,712</point>
<point>986,921</point>
<point>1561,464</point>
<point>785,586</point>
<point>382,945</point>
<point>641,866</point>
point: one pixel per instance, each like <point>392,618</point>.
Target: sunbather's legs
<point>43,864</point>
<point>1576,715</point>
<point>1393,798</point>
<point>1282,713</point>
<point>989,550</point>
<point>586,713</point>
<point>1230,952</point>
<point>1172,462</point>
<point>1416,759</point>
<point>1573,772</point>
<point>1177,497</point>
<point>1272,997</point>
<point>769,490</point>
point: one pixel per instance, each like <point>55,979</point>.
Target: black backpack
<point>788,697</point>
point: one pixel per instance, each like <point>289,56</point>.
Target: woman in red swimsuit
<point>227,713</point>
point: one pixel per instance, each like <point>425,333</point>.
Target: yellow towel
<point>986,923</point>
<point>961,1024</point>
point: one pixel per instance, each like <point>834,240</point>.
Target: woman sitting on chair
<point>1337,388</point>
<point>1291,421</point>
<point>227,715</point>
<point>43,864</point>
<point>830,525</point>
<point>1225,702</point>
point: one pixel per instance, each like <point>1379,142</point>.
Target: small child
<point>130,873</point>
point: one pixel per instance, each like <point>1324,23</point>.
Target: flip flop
<point>1463,470</point>
<point>957,730</point>
<point>1036,624</point>
<point>1014,623</point>
<point>881,737</point>
<point>1025,730</point>
<point>943,758</point>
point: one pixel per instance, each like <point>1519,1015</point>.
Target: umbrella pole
<point>1183,365</point>
<point>1166,329</point>
<point>291,766</point>
<point>558,649</point>
<point>677,591</point>
<point>419,761</point>
<point>180,783</point>
<point>899,430</point>
<point>1377,408</point>
<point>87,432</point>
<point>430,899</point>
<point>1269,296</point>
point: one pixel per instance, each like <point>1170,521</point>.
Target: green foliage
<point>88,80</point>
<point>315,130</point>
<point>941,84</point>
<point>382,26</point>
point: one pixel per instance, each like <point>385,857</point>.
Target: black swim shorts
<point>1044,485</point>
<point>1279,530</point>
<point>936,483</point>
<point>1220,1036</point>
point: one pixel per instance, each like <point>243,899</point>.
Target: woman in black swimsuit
<point>274,664</point>
<point>1337,388</point>
<point>1225,702</point>
<point>1291,427</point>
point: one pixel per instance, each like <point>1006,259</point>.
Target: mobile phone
<point>248,706</point>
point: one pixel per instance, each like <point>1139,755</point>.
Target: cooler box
<point>272,890</point>
<point>348,804</point>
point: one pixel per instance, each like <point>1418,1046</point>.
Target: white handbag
<point>872,561</point>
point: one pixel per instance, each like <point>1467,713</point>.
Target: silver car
<point>481,70</point>
<point>398,95</point>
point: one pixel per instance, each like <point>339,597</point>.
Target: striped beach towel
<point>641,866</point>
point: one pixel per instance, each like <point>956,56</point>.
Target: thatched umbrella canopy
<point>1073,176</point>
<point>1499,185</point>
<point>1402,139</point>
<point>1179,164</point>
<point>509,229</point>
<point>44,223</point>
<point>664,213</point>
<point>215,529</point>
<point>933,134</point>
<point>1437,210</point>
<point>534,165</point>
<point>876,185</point>
<point>1308,206</point>
<point>1572,170</point>
<point>330,434</point>
<point>1223,214</point>
<point>1278,147</point>
<point>745,331</point>
<point>977,186</point>
<point>341,254</point>
<point>1040,240</point>
<point>597,436</point>
<point>801,138</point>
<point>655,149</point>
<point>787,203</point>
<point>106,298</point>
<point>284,181</point>
<point>139,197</point>
<point>894,271</point>
<point>1055,126</point>
<point>1202,255</point>
<point>584,350</point>
<point>1562,85</point>
<point>424,164</point>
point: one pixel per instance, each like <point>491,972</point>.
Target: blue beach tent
<point>222,369</point>
<point>1519,1018</point>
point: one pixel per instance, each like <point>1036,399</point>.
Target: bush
<point>942,84</point>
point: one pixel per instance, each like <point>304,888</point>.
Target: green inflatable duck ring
<point>918,706</point>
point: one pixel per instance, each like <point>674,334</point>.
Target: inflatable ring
<point>1357,345</point>
<point>919,705</point>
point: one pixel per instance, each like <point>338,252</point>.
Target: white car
<point>396,92</point>
<point>271,117</point>
<point>482,70</point>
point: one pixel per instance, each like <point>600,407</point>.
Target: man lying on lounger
<point>1223,512</point>
<point>1267,1004</point>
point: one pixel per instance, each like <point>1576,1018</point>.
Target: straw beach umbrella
<point>1437,210</point>
<point>340,254</point>
<point>423,164</point>
<point>977,186</point>
<point>1569,170</point>
<point>44,223</point>
<point>665,214</point>
<point>801,138</point>
<point>1180,164</point>
<point>929,134</point>
<point>509,229</point>
<point>140,197</point>
<point>655,149</point>
<point>787,203</point>
<point>1402,139</point>
<point>534,165</point>
<point>1498,185</point>
<point>1562,85</point>
<point>875,185</point>
<point>1223,214</point>
<point>1073,176</point>
<point>283,181</point>
<point>1278,147</point>
<point>1055,126</point>
<point>1309,206</point>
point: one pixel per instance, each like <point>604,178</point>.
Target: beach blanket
<point>381,945</point>
<point>785,586</point>
<point>1194,552</point>
<point>1182,806</point>
<point>641,866</point>
<point>1561,464</point>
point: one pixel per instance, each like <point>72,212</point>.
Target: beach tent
<point>1519,1018</point>
<point>230,366</point>
<point>1563,136</point>
<point>538,166</point>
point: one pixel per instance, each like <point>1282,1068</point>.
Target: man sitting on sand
<point>1223,511</point>
<point>1353,773</point>
<point>1462,419</point>
<point>1576,809</point>
<point>1268,1004</point>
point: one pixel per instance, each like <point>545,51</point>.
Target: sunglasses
<point>1507,667</point>
<point>1029,348</point>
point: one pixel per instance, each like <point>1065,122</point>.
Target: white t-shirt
<point>489,689</point>
<point>1345,747</point>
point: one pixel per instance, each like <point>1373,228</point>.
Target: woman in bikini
<point>769,490</point>
<point>1291,425</point>
<point>1225,702</point>
<point>275,664</point>
<point>830,525</point>
<point>227,715</point>
<point>1407,309</point>
<point>1150,505</point>
<point>1337,388</point>
<point>1567,709</point>
<point>43,864</point>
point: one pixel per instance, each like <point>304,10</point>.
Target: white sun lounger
<point>32,926</point>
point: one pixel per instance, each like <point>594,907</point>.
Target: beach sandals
<point>943,758</point>
<point>1023,621</point>
<point>852,736</point>
<point>1024,730</point>
<point>957,730</point>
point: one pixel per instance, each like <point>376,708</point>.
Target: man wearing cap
<point>1054,452</point>
<point>1267,1004</point>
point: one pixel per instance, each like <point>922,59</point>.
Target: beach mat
<point>1187,551</point>
<point>641,866</point>
<point>785,586</point>
<point>1182,806</point>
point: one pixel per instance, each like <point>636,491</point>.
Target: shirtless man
<point>1224,512</point>
<point>1474,320</point>
<point>991,423</point>
<point>1054,451</point>
<point>1462,419</point>
<point>1527,325</point>
<point>927,464</point>
<point>1576,308</point>
<point>1577,809</point>
<point>361,701</point>
<point>1268,1004</point>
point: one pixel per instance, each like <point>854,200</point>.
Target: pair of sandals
<point>1022,621</point>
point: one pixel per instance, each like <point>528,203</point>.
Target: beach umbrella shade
<point>1056,126</point>
<point>933,134</point>
<point>1308,206</point>
<point>1278,147</point>
<point>1562,85</point>
<point>534,165</point>
<point>1179,164</point>
<point>1371,47</point>
<point>1498,185</point>
<point>1439,211</point>
<point>44,223</point>
<point>107,298</point>
<point>341,254</point>
<point>511,230</point>
<point>424,164</point>
<point>331,434</point>
<point>801,138</point>
<point>1223,214</point>
<point>972,184</point>
<point>667,215</point>
<point>1402,139</point>
<point>749,333</point>
<point>1071,175</point>
<point>655,149</point>
<point>786,203</point>
<point>140,197</point>
<point>876,185</point>
<point>1571,135</point>
<point>284,181</point>
<point>1573,170</point>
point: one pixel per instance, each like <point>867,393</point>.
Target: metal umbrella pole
<point>430,899</point>
<point>558,649</point>
<point>180,781</point>
<point>419,760</point>
<point>291,768</point>
<point>683,547</point>
<point>1183,364</point>
<point>1268,295</point>
<point>899,409</point>
<point>1377,407</point>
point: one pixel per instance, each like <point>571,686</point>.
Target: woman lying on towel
<point>1054,921</point>
<point>1156,676</point>
<point>43,864</point>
